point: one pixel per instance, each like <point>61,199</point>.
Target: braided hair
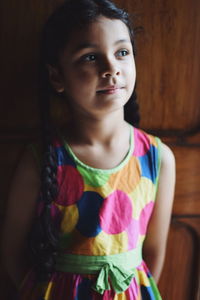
<point>67,18</point>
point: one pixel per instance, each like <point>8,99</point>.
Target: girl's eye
<point>122,52</point>
<point>89,57</point>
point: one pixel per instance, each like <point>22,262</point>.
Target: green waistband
<point>119,269</point>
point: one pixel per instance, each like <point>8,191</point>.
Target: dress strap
<point>117,269</point>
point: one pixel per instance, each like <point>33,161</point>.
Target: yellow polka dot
<point>142,195</point>
<point>102,244</point>
<point>106,244</point>
<point>69,218</point>
<point>121,296</point>
<point>143,279</point>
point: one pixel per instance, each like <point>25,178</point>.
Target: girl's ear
<point>55,79</point>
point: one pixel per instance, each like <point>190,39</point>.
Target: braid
<point>44,235</point>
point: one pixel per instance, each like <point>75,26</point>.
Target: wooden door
<point>168,72</point>
<point>168,68</point>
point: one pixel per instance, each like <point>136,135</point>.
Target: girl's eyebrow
<point>122,41</point>
<point>91,45</point>
<point>84,46</point>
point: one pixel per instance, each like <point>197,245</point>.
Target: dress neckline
<point>98,170</point>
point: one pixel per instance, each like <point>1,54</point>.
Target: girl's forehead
<point>99,31</point>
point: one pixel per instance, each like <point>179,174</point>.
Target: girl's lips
<point>111,90</point>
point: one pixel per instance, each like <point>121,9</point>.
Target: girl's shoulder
<point>148,144</point>
<point>167,156</point>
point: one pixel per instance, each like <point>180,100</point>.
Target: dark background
<point>168,81</point>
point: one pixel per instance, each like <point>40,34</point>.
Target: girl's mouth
<point>110,90</point>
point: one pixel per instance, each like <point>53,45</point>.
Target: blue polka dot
<point>83,290</point>
<point>88,207</point>
<point>149,164</point>
<point>63,157</point>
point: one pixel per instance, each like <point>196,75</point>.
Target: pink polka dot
<point>116,213</point>
<point>141,143</point>
<point>70,185</point>
<point>133,234</point>
<point>145,216</point>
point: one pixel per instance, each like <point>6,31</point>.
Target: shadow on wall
<point>7,289</point>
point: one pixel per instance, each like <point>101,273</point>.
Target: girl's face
<point>97,68</point>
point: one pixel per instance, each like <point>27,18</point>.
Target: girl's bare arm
<point>19,215</point>
<point>156,239</point>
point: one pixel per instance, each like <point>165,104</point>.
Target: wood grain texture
<point>168,62</point>
<point>180,276</point>
<point>21,23</point>
<point>187,194</point>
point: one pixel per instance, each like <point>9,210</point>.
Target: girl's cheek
<point>85,75</point>
<point>130,68</point>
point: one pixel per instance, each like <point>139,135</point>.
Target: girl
<point>106,187</point>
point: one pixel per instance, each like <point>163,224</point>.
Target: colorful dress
<point>102,214</point>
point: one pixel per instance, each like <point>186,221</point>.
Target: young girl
<point>106,188</point>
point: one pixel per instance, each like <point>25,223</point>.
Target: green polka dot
<point>92,179</point>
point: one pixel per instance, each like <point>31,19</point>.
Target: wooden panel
<point>180,277</point>
<point>168,62</point>
<point>194,139</point>
<point>21,24</point>
<point>187,195</point>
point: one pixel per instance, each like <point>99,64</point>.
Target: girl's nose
<point>109,69</point>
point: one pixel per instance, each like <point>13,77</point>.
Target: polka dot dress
<point>102,212</point>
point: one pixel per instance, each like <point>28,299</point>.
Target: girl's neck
<point>91,131</point>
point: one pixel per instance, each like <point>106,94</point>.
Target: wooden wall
<point>168,72</point>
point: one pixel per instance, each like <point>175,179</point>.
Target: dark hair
<point>70,16</point>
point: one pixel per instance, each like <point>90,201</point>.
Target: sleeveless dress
<point>102,213</point>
